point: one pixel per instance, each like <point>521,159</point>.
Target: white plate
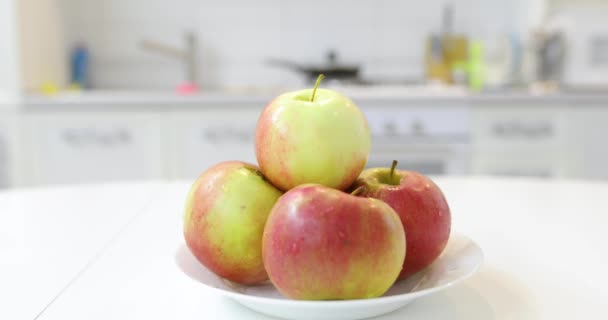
<point>461,258</point>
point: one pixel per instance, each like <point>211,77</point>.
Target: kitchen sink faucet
<point>188,55</point>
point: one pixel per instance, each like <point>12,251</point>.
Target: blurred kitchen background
<point>96,91</point>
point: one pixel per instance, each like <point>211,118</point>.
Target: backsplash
<point>236,37</point>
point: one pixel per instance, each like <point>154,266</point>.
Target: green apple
<point>226,210</point>
<point>321,243</point>
<point>312,136</point>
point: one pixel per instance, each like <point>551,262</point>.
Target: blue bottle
<point>79,64</point>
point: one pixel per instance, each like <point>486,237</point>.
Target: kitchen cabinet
<point>10,149</point>
<point>92,146</point>
<point>5,137</point>
<point>76,142</point>
<point>519,139</point>
<point>517,162</point>
<point>586,143</point>
<point>200,139</point>
<point>516,126</point>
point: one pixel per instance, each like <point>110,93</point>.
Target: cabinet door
<point>517,162</point>
<point>199,140</point>
<point>586,146</point>
<point>83,147</point>
<point>5,138</point>
<point>518,140</point>
<point>517,126</point>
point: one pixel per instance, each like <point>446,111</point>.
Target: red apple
<point>224,219</point>
<point>321,243</point>
<point>421,206</point>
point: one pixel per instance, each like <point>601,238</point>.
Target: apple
<point>320,244</point>
<point>312,136</point>
<point>420,204</point>
<point>225,213</point>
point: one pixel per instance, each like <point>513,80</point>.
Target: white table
<point>49,236</point>
<point>544,243</point>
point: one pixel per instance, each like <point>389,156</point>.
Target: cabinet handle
<point>209,135</point>
<point>227,134</point>
<point>518,129</point>
<point>87,137</point>
<point>418,128</point>
<point>390,129</point>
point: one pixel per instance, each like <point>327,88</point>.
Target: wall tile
<point>236,37</point>
<point>228,14</point>
<point>139,74</point>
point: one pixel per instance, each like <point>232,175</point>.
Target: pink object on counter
<point>187,88</point>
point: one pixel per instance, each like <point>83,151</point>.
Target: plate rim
<point>340,303</point>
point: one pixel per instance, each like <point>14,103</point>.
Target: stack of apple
<point>309,218</point>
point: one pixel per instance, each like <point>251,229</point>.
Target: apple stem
<point>314,90</point>
<point>358,191</point>
<point>393,166</point>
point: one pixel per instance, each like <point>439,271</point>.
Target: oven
<point>433,139</point>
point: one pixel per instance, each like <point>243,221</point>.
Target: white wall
<point>9,84</point>
<point>236,36</point>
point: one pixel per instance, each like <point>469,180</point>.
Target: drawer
<point>199,140</point>
<point>453,123</point>
<point>517,127</point>
<point>524,161</point>
<point>91,147</point>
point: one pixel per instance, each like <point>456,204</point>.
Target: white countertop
<point>245,97</point>
<point>107,252</point>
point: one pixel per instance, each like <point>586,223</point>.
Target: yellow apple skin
<point>326,141</point>
<point>225,213</point>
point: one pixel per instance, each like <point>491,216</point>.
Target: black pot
<point>332,70</point>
